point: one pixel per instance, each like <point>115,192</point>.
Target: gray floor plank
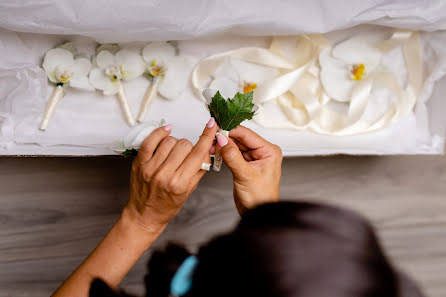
<point>53,212</point>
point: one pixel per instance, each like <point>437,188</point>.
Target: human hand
<point>164,174</point>
<point>256,167</point>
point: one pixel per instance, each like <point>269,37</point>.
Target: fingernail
<point>222,140</point>
<point>211,123</point>
<point>168,127</point>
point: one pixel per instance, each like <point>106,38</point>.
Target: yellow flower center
<point>114,72</point>
<point>157,69</point>
<point>358,71</point>
<point>63,75</point>
<point>248,87</point>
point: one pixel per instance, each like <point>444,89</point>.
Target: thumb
<point>231,155</point>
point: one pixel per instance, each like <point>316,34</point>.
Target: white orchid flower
<point>235,75</point>
<point>64,69</point>
<point>168,73</point>
<point>346,65</point>
<point>111,69</point>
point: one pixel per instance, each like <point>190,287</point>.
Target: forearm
<point>113,257</point>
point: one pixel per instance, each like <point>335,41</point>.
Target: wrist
<point>132,219</point>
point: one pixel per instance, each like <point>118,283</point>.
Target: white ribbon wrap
<point>125,105</point>
<point>57,94</point>
<point>297,91</point>
<point>147,100</point>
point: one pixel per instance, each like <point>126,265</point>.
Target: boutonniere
<point>167,72</point>
<point>133,140</point>
<point>64,68</point>
<point>113,65</point>
<point>348,65</point>
<point>228,113</point>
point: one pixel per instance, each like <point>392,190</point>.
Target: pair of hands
<point>167,170</point>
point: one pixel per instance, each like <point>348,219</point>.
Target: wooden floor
<point>54,211</point>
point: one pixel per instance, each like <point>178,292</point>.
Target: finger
<point>151,142</point>
<point>197,177</point>
<point>177,155</point>
<point>200,151</point>
<point>161,154</point>
<point>213,149</point>
<point>240,145</point>
<point>232,156</point>
<point>248,138</point>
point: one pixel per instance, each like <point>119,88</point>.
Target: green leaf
<point>129,153</point>
<point>231,112</point>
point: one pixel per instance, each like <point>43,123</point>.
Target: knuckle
<point>158,179</point>
<point>277,150</point>
<point>176,187</point>
<point>232,152</point>
<point>147,174</point>
<point>170,140</point>
<point>185,143</point>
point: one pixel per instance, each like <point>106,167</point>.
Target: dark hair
<point>285,249</point>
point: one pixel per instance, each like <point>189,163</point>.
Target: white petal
<point>114,88</point>
<point>137,136</point>
<point>162,52</point>
<point>208,94</point>
<point>110,47</point>
<point>52,77</point>
<point>80,67</point>
<point>335,77</point>
<point>357,51</point>
<point>176,78</point>
<point>57,57</point>
<point>104,59</point>
<point>228,88</point>
<point>131,62</point>
<point>69,46</point>
<point>252,73</point>
<point>81,82</point>
<point>100,81</point>
<point>227,70</point>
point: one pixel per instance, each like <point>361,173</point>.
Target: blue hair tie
<point>182,280</point>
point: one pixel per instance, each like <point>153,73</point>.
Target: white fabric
<point>147,20</point>
<point>90,123</point>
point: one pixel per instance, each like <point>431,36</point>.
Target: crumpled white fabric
<point>144,20</point>
<point>91,124</point>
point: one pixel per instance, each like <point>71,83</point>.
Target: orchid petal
<point>137,135</point>
<point>228,71</point>
<point>114,89</point>
<point>358,51</point>
<point>176,78</point>
<point>57,57</point>
<point>80,67</point>
<point>81,82</point>
<point>208,94</point>
<point>131,63</point>
<point>228,88</point>
<point>335,77</point>
<point>100,81</point>
<point>161,52</point>
<point>105,59</point>
<point>52,77</point>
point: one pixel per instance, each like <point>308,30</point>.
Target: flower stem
<point>57,94</point>
<point>125,105</point>
<point>148,99</point>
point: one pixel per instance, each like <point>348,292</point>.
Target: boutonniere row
<point>108,70</point>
